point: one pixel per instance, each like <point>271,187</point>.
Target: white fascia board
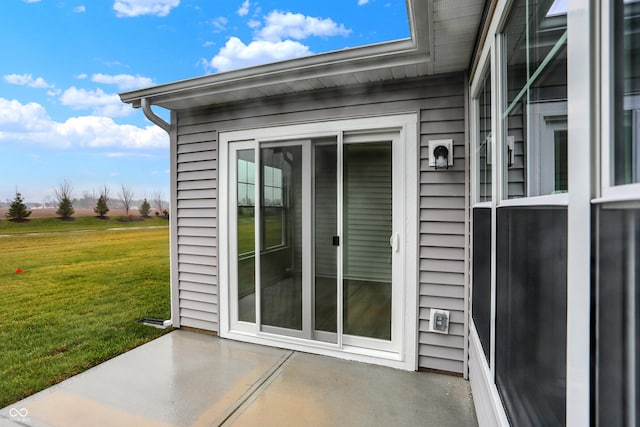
<point>348,61</point>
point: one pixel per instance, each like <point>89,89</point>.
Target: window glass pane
<point>535,39</point>
<point>242,170</point>
<point>626,150</point>
<point>485,142</point>
<point>481,296</point>
<point>246,239</point>
<point>268,176</point>
<point>617,302</point>
<point>531,310</point>
<point>251,175</point>
<point>367,226</point>
<point>281,236</point>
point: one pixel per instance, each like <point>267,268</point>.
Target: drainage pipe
<point>148,112</point>
<point>157,120</point>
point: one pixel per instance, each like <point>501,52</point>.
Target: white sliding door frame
<point>402,130</point>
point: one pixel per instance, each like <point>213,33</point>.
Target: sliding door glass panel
<point>246,235</point>
<point>281,237</point>
<point>367,228</point>
<point>325,249</point>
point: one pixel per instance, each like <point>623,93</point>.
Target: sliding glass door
<point>312,239</point>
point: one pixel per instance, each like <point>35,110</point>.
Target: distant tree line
<point>64,203</point>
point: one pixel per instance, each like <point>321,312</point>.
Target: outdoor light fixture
<point>441,153</point>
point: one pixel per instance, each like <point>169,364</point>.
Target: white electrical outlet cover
<point>439,321</point>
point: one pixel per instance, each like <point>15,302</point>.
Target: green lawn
<point>39,225</point>
<point>77,300</point>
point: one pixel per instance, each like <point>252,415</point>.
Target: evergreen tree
<point>65,206</point>
<point>18,210</point>
<point>145,208</point>
<point>101,206</point>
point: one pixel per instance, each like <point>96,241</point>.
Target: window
<point>616,218</point>
<point>531,238</point>
<point>535,103</point>
<point>617,389</point>
<point>531,310</point>
<point>484,142</point>
<point>626,108</point>
<point>481,296</point>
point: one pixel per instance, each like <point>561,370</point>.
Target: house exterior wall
<point>440,102</point>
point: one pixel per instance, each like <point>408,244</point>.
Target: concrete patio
<point>191,379</point>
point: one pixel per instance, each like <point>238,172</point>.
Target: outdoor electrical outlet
<point>439,321</point>
<point>435,146</point>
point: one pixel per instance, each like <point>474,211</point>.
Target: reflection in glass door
<point>281,253</point>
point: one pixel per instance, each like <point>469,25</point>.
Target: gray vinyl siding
<point>442,236</point>
<point>441,107</point>
<point>196,174</point>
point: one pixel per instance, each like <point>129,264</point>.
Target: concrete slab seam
<point>243,401</point>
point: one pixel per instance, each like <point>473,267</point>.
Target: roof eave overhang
<point>352,62</point>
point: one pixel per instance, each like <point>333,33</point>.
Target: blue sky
<point>64,62</point>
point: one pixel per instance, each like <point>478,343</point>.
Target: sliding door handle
<point>394,242</point>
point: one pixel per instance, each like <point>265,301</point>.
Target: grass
<point>77,300</point>
<point>51,224</point>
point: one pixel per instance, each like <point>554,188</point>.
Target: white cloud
<point>30,123</point>
<point>27,80</point>
<point>220,24</point>
<point>99,102</point>
<point>123,81</point>
<point>244,9</point>
<point>130,8</point>
<point>121,154</point>
<point>80,9</point>
<point>235,54</point>
<point>276,41</point>
<point>81,76</point>
<point>31,1</point>
<point>362,2</point>
<point>279,26</point>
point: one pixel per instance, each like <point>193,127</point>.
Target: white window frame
<point>608,191</point>
<point>476,86</point>
<point>405,356</point>
<point>489,405</point>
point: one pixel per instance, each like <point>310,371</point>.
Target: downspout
<point>157,120</point>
